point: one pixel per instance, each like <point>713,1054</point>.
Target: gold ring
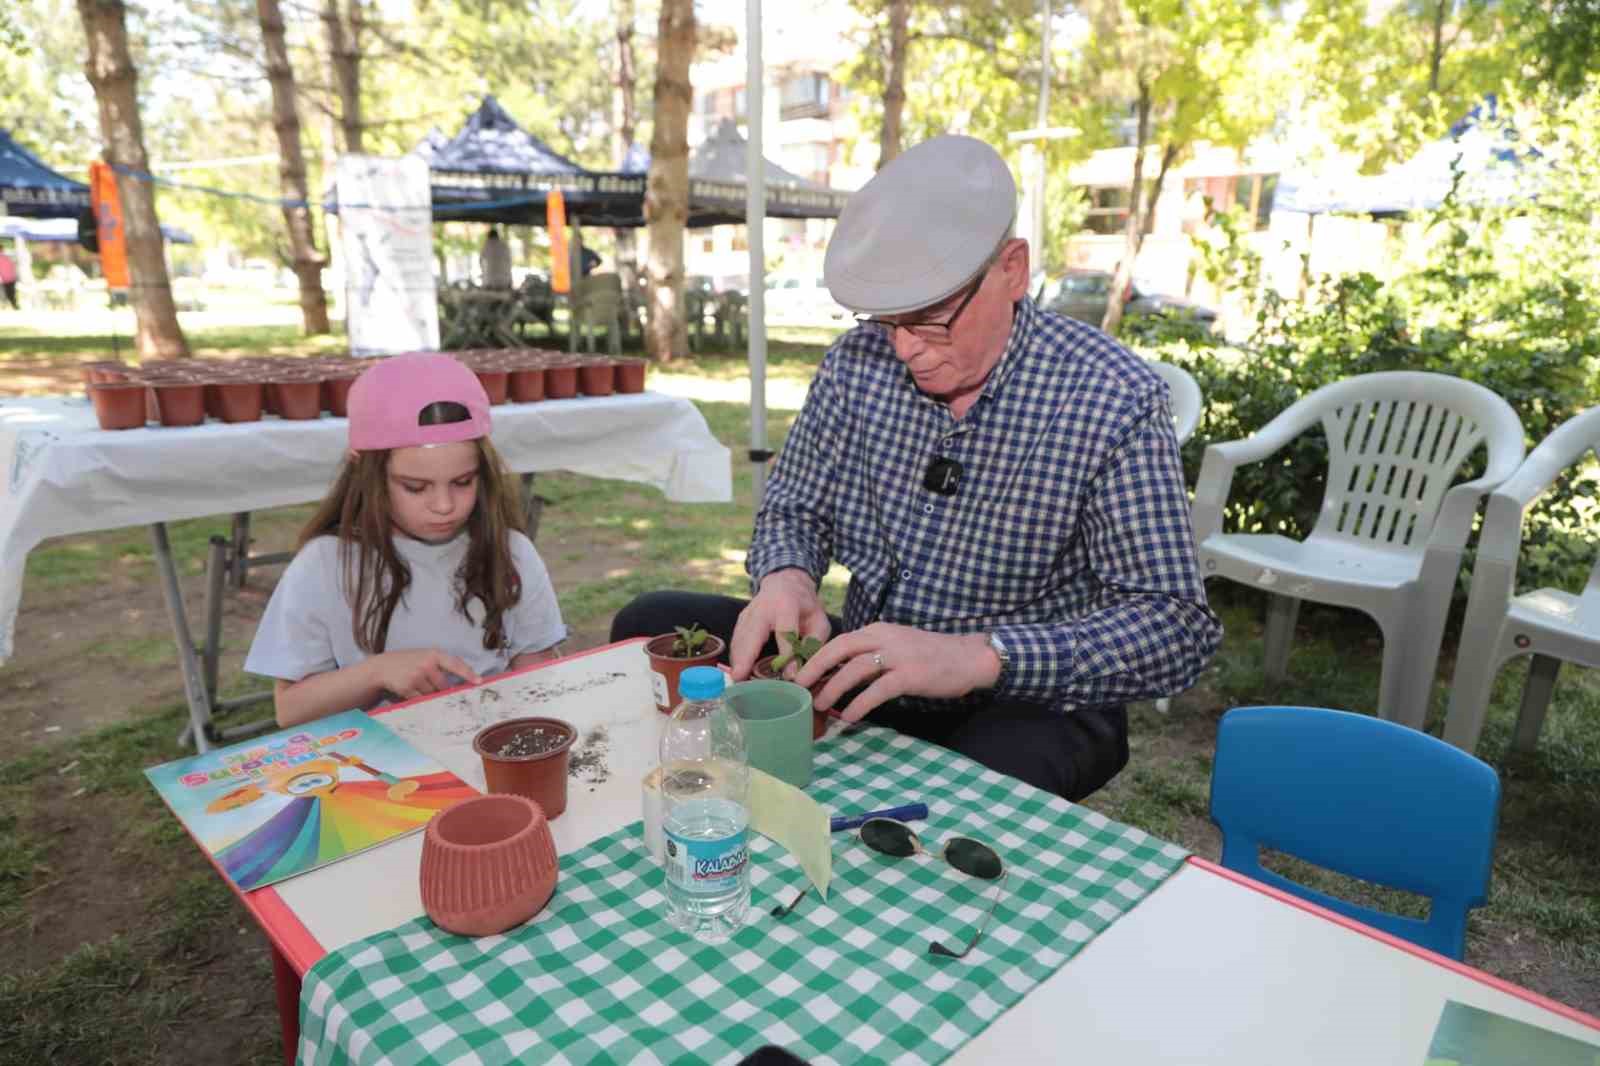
<point>877,660</point>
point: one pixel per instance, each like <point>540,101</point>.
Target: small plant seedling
<point>800,649</point>
<point>690,640</point>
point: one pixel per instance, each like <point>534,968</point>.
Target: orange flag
<point>107,207</point>
<point>555,219</point>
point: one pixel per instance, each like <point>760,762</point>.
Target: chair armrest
<point>1221,460</point>
<point>1454,523</point>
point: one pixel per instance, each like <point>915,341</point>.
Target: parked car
<point>1083,294</point>
<point>802,300</point>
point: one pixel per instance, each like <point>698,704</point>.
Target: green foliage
<point>800,650</point>
<point>1507,296</point>
<point>691,639</point>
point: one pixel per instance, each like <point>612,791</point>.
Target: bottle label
<point>704,867</point>
<point>658,681</point>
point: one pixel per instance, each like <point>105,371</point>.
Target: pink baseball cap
<point>388,398</point>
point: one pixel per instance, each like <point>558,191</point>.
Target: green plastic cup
<point>776,716</point>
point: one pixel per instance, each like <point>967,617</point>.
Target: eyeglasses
<point>931,330</point>
<point>973,858</point>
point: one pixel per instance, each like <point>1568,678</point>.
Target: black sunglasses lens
<point>889,837</point>
<point>972,858</point>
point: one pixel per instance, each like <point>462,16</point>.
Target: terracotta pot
<point>527,384</point>
<point>299,399</point>
<point>541,773</point>
<point>494,383</point>
<point>630,375</point>
<point>763,671</point>
<point>336,393</point>
<point>561,381</point>
<point>665,667</point>
<point>179,402</point>
<point>118,405</point>
<point>488,864</point>
<point>597,378</point>
<point>237,401</point>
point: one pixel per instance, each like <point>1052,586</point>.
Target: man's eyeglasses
<point>935,331</point>
<point>973,858</point>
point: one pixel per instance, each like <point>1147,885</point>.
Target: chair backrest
<point>599,296</point>
<point>1396,442</point>
<point>1366,798</point>
<point>1186,399</point>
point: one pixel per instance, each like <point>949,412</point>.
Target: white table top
<point>60,473</point>
<point>1206,970</point>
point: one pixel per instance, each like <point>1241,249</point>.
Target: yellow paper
<point>788,816</point>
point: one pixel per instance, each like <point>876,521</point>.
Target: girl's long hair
<point>357,511</point>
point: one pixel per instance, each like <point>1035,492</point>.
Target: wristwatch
<point>1005,657</point>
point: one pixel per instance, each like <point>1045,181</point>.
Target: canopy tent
<point>30,189</point>
<point>1487,161</point>
<point>65,231</point>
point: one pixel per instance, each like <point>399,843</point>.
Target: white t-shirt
<point>308,626</point>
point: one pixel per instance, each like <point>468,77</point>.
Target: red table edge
<point>283,928</point>
<point>1454,965</point>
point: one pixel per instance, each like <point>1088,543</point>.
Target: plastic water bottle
<point>705,782</point>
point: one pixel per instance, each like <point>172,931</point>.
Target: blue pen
<point>900,814</point>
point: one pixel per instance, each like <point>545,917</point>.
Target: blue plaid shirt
<point>1067,536</point>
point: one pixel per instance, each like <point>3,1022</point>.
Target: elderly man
<point>1002,483</point>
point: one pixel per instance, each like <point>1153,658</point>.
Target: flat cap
<point>921,228</point>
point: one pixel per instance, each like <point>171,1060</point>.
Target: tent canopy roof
<point>31,189</point>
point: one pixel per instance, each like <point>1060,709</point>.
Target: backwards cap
<point>387,400</point>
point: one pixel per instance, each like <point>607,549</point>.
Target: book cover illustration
<point>280,805</point>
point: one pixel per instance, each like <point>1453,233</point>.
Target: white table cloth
<point>61,474</point>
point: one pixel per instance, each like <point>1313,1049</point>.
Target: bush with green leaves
<point>1506,295</point>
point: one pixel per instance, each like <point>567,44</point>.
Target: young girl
<point>413,575</point>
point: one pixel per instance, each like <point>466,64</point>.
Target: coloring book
<point>292,801</point>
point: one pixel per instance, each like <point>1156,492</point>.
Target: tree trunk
<point>1436,58</point>
<point>116,90</point>
<point>626,118</point>
<point>344,56</point>
<point>292,170</point>
<point>666,197</point>
<point>1133,233</point>
<point>894,82</point>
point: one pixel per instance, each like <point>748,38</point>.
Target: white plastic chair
<point>1186,400</point>
<point>1552,625</point>
<point>1389,536</point>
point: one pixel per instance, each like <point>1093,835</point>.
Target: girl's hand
<point>419,673</point>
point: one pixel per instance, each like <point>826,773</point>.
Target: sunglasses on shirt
<point>971,857</point>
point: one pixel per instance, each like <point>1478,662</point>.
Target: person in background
<point>1003,484</point>
<point>8,279</point>
<point>495,259</point>
<point>413,575</point>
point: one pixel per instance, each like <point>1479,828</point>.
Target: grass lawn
<point>173,971</point>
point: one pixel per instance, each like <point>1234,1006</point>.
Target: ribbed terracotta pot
<point>561,381</point>
<point>237,401</point>
<point>494,383</point>
<point>118,405</point>
<point>180,403</point>
<point>597,378</point>
<point>299,399</point>
<point>539,775</point>
<point>526,384</point>
<point>488,864</point>
<point>665,667</point>
<point>630,376</point>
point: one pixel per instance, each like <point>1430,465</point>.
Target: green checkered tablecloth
<point>599,975</point>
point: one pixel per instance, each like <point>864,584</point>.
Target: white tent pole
<point>755,213</point>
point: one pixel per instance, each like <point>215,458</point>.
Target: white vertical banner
<point>386,229</point>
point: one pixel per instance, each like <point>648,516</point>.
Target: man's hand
<point>787,603</point>
<point>899,661</point>
<point>418,673</point>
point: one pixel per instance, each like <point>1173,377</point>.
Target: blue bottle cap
<point>700,683</point>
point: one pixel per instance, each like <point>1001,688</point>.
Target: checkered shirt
<point>1068,536</point>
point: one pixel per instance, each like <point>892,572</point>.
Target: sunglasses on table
<point>971,857</point>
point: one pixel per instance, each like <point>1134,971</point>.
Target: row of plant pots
<point>185,392</point>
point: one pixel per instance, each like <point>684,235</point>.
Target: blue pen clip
<point>909,812</point>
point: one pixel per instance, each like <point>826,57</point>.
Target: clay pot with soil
<point>298,398</point>
<point>180,402</point>
<point>118,405</point>
<point>336,392</point>
<point>596,378</point>
<point>629,376</point>
<point>528,757</point>
<point>488,864</point>
<point>561,381</point>
<point>235,400</point>
<point>494,382</point>
<point>673,653</point>
<point>526,383</point>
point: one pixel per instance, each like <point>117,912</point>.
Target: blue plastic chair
<point>1363,797</point>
